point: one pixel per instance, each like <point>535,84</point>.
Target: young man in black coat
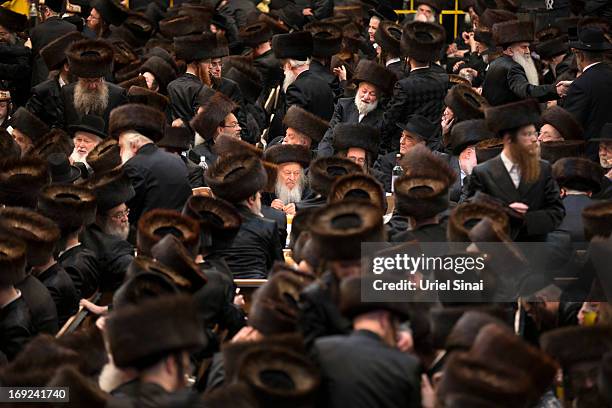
<point>517,176</point>
<point>257,36</point>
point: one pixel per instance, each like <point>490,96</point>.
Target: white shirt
<point>589,66</point>
<point>61,81</point>
<point>512,169</point>
<point>392,61</point>
<point>361,116</point>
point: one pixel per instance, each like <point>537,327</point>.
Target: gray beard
<point>90,102</point>
<point>605,162</point>
<point>364,108</point>
<point>116,231</point>
<point>528,66</point>
<point>76,157</point>
<point>287,195</point>
<point>289,79</point>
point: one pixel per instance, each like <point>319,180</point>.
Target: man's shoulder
<point>46,86</point>
<point>486,167</point>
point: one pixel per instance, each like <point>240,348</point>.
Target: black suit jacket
<point>269,67</point>
<point>346,112</point>
<point>387,377</point>
<point>82,265</point>
<point>312,94</point>
<point>399,68</point>
<point>546,210</point>
<point>507,82</point>
<point>62,290</point>
<point>588,99</point>
<point>160,180</point>
<point>46,102</point>
<point>16,327</point>
<point>182,93</point>
<point>41,35</point>
<point>572,222</point>
<point>332,80</point>
<point>40,303</point>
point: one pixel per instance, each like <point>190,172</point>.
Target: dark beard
<point>528,162</point>
<point>90,102</point>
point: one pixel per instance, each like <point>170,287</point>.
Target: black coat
<point>203,149</point>
<point>545,207</point>
<point>114,255</point>
<point>256,247</point>
<point>83,267</point>
<point>429,232</point>
<point>588,99</point>
<point>160,180</point>
<point>231,89</point>
<point>399,68</point>
<point>41,305</point>
<point>507,82</point>
<point>117,96</point>
<point>312,94</point>
<point>15,71</point>
<point>196,173</point>
<point>62,291</point>
<point>150,395</point>
<point>281,221</point>
<point>572,222</point>
<point>324,73</point>
<point>183,92</point>
<point>346,112</point>
<point>269,67</point>
<point>422,92</point>
<point>360,370</point>
<point>16,327</point>
<point>46,102</point>
<point>606,190</point>
<point>41,35</point>
<point>239,10</point>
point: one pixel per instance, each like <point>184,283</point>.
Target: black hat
<point>388,36</point>
<point>62,172</point>
<point>512,115</point>
<point>69,206</point>
<point>605,135</point>
<point>326,39</point>
<point>111,189</point>
<point>12,260</point>
<point>123,43</point>
<point>358,187</point>
<point>111,11</point>
<point>226,144</point>
<point>203,12</point>
<point>325,170</point>
<point>375,74</point>
<point>39,233</point>
<point>434,4</point>
<point>578,174</point>
<point>91,124</point>
<point>357,135</point>
<point>140,26</point>
<point>172,253</point>
<point>465,103</point>
<point>9,149</point>
<point>21,180</point>
<point>162,53</point>
<point>220,47</point>
<point>139,94</point>
<point>514,31</point>
<point>563,121</point>
<point>138,117</point>
<point>249,85</point>
<point>219,221</point>
<point>423,41</point>
<point>306,123</point>
<point>576,344</point>
<point>163,72</point>
<point>179,26</point>
<point>340,228</point>
<point>552,48</point>
<point>28,124</point>
<point>591,39</point>
<point>297,45</point>
<point>90,58</point>
<point>276,25</point>
<point>153,329</point>
<point>104,157</point>
<point>213,113</point>
<point>285,153</point>
<point>384,12</point>
<point>255,34</point>
<point>419,125</point>
<point>220,21</point>
<point>597,220</point>
<point>157,223</point>
<point>236,177</point>
<point>468,133</point>
<point>12,21</point>
<point>488,149</point>
<point>176,138</point>
<point>492,16</point>
<point>54,53</point>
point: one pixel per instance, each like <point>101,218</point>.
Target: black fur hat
<point>214,112</point>
<point>578,173</point>
<point>9,149</point>
<point>176,138</point>
<point>138,117</point>
<point>12,259</point>
<point>194,47</point>
<point>306,123</point>
<point>326,39</point>
<point>363,136</point>
<point>423,42</point>
<point>219,221</point>
<point>90,58</point>
<point>468,133</point>
<point>512,115</point>
<point>104,157</point>
<point>488,149</point>
<point>54,53</point>
<point>465,103</point>
<point>285,153</point>
<point>375,74</point>
<point>297,45</point>
<point>389,36</point>
<point>352,304</point>
<point>324,171</point>
<point>111,188</point>
<point>358,187</point>
<point>161,70</point>
<point>490,17</point>
<point>514,31</point>
<point>56,141</point>
<point>21,180</point>
<point>69,206</point>
<point>576,344</point>
<point>112,12</point>
<point>255,34</point>
<point>552,48</point>
<point>157,223</point>
<point>29,124</point>
<point>236,177</point>
<point>563,121</point>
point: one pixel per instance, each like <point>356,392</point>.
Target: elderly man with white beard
<point>374,82</point>
<point>513,76</point>
<point>86,135</point>
<point>90,61</point>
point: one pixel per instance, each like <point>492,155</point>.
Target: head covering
<point>512,115</point>
<point>21,180</point>
<point>104,157</point>
<point>297,45</point>
<point>28,124</point>
<point>236,177</point>
<point>423,42</point>
<point>514,31</point>
<point>324,171</point>
<point>112,12</point>
<point>137,117</point>
<point>326,39</point>
<point>212,115</point>
<point>305,123</point>
<point>597,220</point>
<point>388,36</point>
<point>357,135</point>
<point>54,53</point>
<point>419,126</point>
<point>465,103</point>
<point>12,259</point>
<point>219,221</point>
<point>591,39</point>
<point>255,34</point>
<point>467,133</point>
<point>564,122</point>
<point>142,95</point>
<point>285,153</point>
<point>157,223</point>
<point>111,189</point>
<point>60,169</point>
<point>358,187</point>
<point>375,74</point>
<point>90,124</point>
<point>90,58</point>
<point>12,21</point>
<point>69,206</point>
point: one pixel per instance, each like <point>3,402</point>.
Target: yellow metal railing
<point>456,13</point>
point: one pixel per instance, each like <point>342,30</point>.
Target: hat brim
<point>409,129</point>
<point>579,45</point>
<point>81,128</point>
<point>74,174</point>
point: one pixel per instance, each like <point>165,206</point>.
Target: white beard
<point>529,67</point>
<point>90,102</point>
<point>290,78</point>
<point>364,108</point>
<point>287,195</point>
<point>605,162</point>
<point>77,157</point>
<point>122,231</point>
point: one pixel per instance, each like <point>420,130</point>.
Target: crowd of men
<point>150,156</point>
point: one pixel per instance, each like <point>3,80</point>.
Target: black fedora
<point>605,135</point>
<point>90,124</point>
<point>591,39</point>
<point>61,170</point>
<point>420,126</point>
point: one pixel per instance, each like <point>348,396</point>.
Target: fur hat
<point>358,187</point>
<point>597,220</point>
<point>463,218</point>
<point>462,325</point>
<point>326,39</point>
<point>137,94</point>
<point>69,206</point>
<point>236,177</point>
<point>56,141</point>
<point>578,173</point>
<point>285,153</point>
<point>112,12</point>
<point>340,228</point>
<point>214,112</point>
<point>512,115</point>
<point>563,121</point>
<point>436,5</point>
<point>157,223</point>
<point>249,82</point>
<point>54,53</point>
<point>161,70</point>
<point>388,36</point>
<point>83,391</point>
<point>9,149</point>
<point>510,5</point>
<point>465,103</point>
<point>29,124</point>
<point>104,157</point>
<point>422,162</point>
<point>21,180</point>
<point>176,138</point>
<point>357,135</point>
<point>490,17</point>
<point>140,335</point>
<point>12,21</point>
<point>125,60</point>
<point>111,188</point>
<point>179,26</point>
<point>352,305</point>
<point>255,34</point>
<point>200,12</point>
<point>39,233</point>
<point>420,197</point>
<point>467,133</point>
<point>276,25</point>
<point>159,51</point>
<point>297,45</point>
<point>219,221</point>
<point>576,344</point>
<point>130,68</point>
<point>136,81</point>
<point>324,171</point>
<point>552,48</point>
<point>375,74</point>
<point>225,144</point>
<point>60,169</point>
<point>454,79</point>
<point>423,41</point>
<point>194,47</point>
<point>553,151</point>
<point>488,149</point>
<point>137,117</point>
<point>514,31</point>
<point>12,259</point>
<point>306,123</point>
<point>172,253</point>
<point>90,58</point>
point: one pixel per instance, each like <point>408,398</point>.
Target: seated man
<point>559,125</point>
<point>290,186</point>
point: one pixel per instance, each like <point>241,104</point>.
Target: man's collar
<point>418,68</point>
<point>589,66</point>
<point>508,164</point>
<point>392,61</point>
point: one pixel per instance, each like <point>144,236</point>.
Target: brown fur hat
<point>157,223</point>
<point>12,259</point>
<point>514,31</point>
<point>29,124</point>
<point>326,39</point>
<point>161,70</point>
<point>90,58</point>
<point>225,144</point>
<point>236,177</point>
<point>285,153</point>
<point>422,162</point>
<point>388,36</point>
<point>358,187</point>
<point>324,171</point>
<point>219,220</point>
<point>466,215</point>
<point>213,114</point>
<point>21,180</point>
<point>172,253</point>
<point>306,123</point>
<point>137,117</point>
<point>563,121</point>
<point>68,205</point>
<point>512,115</point>
<point>104,157</point>
<point>83,391</point>
<point>556,150</point>
<point>56,141</point>
<point>255,34</point>
<point>467,133</point>
<point>138,94</point>
<point>575,344</point>
<point>375,74</point>
<point>578,173</point>
<point>357,135</point>
<point>422,41</point>
<point>597,220</point>
<point>488,148</point>
<point>465,103</point>
<point>54,53</point>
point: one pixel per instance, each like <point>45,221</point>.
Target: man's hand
<point>307,12</point>
<point>404,341</point>
<point>520,208</point>
<point>563,87</point>
<point>247,333</point>
<point>178,123</point>
<point>340,72</point>
<point>428,394</point>
<point>278,204</point>
<point>93,308</point>
<point>289,209</point>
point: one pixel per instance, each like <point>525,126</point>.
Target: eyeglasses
<point>119,215</point>
<point>231,125</point>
